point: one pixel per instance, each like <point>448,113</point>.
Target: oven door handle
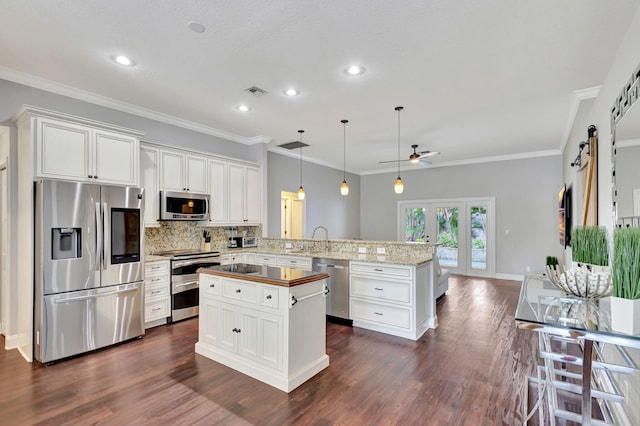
<point>187,283</point>
<point>181,263</point>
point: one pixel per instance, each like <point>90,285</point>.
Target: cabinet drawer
<point>237,290</point>
<point>266,259</point>
<point>295,262</point>
<point>381,314</point>
<point>210,285</point>
<point>155,281</point>
<point>156,291</point>
<point>156,309</point>
<point>381,269</point>
<point>230,259</point>
<point>393,291</point>
<point>156,268</point>
<point>269,297</point>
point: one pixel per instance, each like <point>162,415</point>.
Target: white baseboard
<point>512,277</point>
<point>11,341</point>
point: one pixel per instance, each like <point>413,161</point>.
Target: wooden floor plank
<point>471,370</point>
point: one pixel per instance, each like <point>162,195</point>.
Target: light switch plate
<point>381,250</point>
<point>362,250</point>
<point>287,245</point>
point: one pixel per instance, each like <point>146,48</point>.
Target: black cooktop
<point>185,253</point>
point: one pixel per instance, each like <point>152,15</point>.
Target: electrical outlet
<point>528,268</point>
<point>362,250</point>
<point>287,245</point>
<point>381,250</point>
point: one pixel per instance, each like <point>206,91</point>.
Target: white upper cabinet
<point>219,192</point>
<point>149,180</point>
<point>70,150</point>
<point>183,172</point>
<point>245,194</point>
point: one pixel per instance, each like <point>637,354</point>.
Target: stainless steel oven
<point>185,288</point>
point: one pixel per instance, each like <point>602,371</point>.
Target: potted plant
<point>625,302</point>
<point>590,274</point>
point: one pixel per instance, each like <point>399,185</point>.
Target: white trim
<point>294,153</point>
<point>507,157</point>
<point>578,97</point>
<point>82,95</point>
<point>628,143</point>
<point>11,341</point>
<point>510,277</point>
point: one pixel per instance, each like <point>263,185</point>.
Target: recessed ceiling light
<point>196,27</point>
<point>123,60</point>
<point>243,108</point>
<point>355,70</point>
<point>291,92</point>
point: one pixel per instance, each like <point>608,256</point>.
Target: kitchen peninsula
<point>266,322</point>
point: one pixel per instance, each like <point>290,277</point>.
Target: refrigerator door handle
<point>105,235</point>
<point>98,237</point>
<point>94,296</point>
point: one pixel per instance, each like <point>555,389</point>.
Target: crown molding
<point>628,143</point>
<point>82,95</point>
<point>292,153</point>
<point>578,96</point>
<point>508,157</point>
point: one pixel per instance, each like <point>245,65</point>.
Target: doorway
<point>4,246</point>
<point>292,215</point>
<point>464,230</point>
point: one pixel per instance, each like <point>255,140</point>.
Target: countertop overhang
<point>285,277</point>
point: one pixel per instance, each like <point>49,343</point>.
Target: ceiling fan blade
<point>424,162</point>
<point>425,154</point>
<point>392,161</point>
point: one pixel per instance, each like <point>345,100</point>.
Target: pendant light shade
<point>301,193</point>
<point>398,187</point>
<point>344,187</point>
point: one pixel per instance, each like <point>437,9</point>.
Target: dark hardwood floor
<point>469,371</point>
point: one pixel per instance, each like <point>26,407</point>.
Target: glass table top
<point>544,307</point>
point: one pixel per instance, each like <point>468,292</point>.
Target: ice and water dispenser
<point>66,243</point>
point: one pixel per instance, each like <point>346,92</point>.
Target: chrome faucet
<point>326,236</point>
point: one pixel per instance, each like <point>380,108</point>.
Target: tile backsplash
<point>188,235</point>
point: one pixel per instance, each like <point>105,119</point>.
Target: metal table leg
<point>586,382</point>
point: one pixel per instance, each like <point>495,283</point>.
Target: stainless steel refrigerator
<point>89,267</point>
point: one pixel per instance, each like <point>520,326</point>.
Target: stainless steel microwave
<point>183,206</point>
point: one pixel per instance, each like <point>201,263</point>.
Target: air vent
<point>256,91</point>
<point>293,145</point>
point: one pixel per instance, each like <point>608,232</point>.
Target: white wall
<point>325,206</point>
<point>526,204</point>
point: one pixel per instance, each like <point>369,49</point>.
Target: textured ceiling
<point>477,78</point>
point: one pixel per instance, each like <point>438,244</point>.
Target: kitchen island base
<point>275,333</point>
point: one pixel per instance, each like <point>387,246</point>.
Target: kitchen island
<point>263,321</point>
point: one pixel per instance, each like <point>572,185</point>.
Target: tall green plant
<point>589,245</point>
<point>626,263</point>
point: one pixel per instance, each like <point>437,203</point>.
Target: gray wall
<point>627,177</point>
<point>324,204</point>
<point>526,204</point>
<point>14,95</point>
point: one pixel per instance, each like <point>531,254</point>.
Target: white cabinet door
<point>227,327</point>
<point>253,195</point>
<point>149,181</point>
<point>115,158</point>
<point>270,334</point>
<point>247,332</point>
<point>196,174</point>
<point>64,150</point>
<point>218,191</point>
<point>171,171</point>
<point>209,325</point>
<point>236,193</point>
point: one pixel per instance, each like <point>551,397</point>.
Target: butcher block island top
<point>287,277</point>
<point>268,323</point>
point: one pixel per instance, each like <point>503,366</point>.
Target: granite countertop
<point>286,277</point>
<point>398,260</point>
<point>154,258</point>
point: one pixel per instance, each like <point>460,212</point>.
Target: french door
<point>464,230</point>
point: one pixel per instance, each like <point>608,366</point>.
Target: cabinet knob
<point>95,177</point>
<point>90,176</point>
<point>268,296</point>
<point>238,290</point>
<point>377,288</point>
<point>212,285</point>
<point>377,313</point>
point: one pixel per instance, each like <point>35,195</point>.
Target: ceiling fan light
<point>344,188</point>
<point>301,193</point>
<point>398,187</point>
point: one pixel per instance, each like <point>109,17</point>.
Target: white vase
<point>625,315</point>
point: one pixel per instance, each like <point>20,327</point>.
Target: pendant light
<point>301,193</point>
<point>398,187</point>
<point>344,187</point>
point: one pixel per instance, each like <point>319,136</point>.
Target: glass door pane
<point>414,229</point>
<point>478,237</point>
<point>447,232</point>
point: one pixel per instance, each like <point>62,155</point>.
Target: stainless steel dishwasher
<point>338,282</point>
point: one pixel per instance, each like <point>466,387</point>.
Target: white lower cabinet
<point>251,327</point>
<point>297,262</point>
<point>393,299</point>
<point>157,293</point>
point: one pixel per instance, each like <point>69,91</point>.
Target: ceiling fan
<point>416,156</point>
